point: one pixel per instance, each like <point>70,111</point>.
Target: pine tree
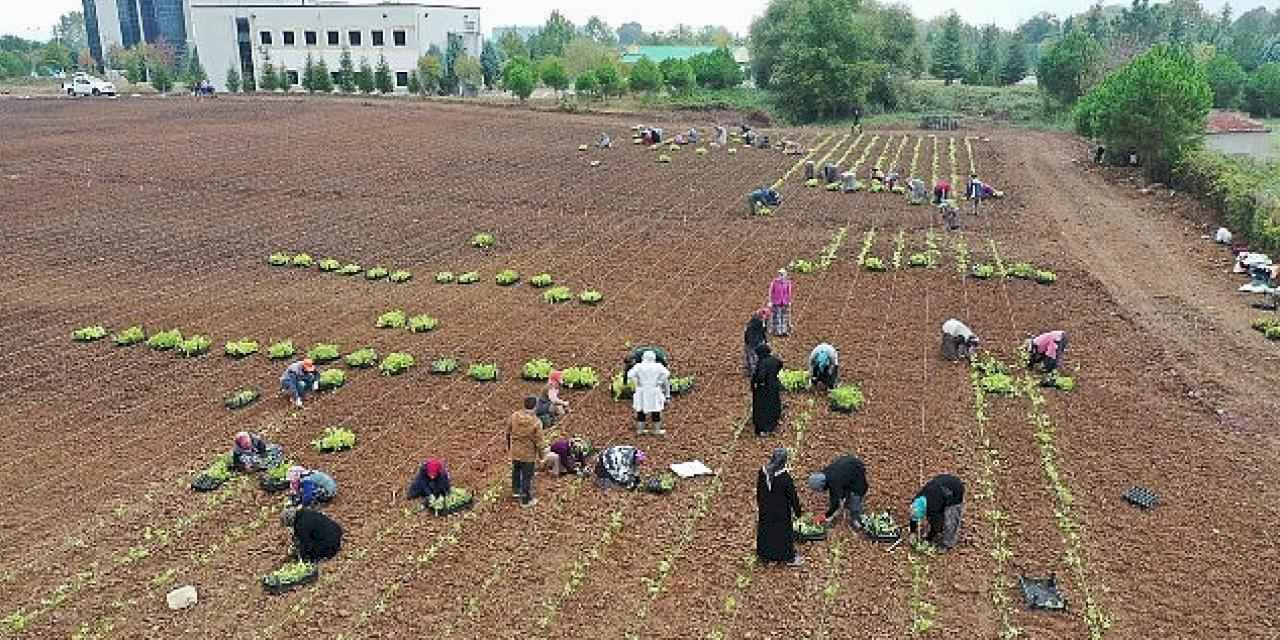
<point>987,62</point>
<point>282,79</point>
<point>415,85</point>
<point>194,73</point>
<point>948,51</point>
<point>268,80</point>
<point>346,72</point>
<point>382,77</point>
<point>1015,61</point>
<point>321,80</point>
<point>309,74</point>
<point>364,77</point>
<point>233,79</point>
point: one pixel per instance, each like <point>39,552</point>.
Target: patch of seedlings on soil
<point>483,372</point>
<point>924,614</point>
<point>680,385</point>
<point>580,378</point>
<point>537,369</point>
<point>794,379</point>
<point>290,576</point>
<point>350,269</point>
<point>541,280</point>
<point>323,352</point>
<point>422,323</point>
<point>332,379</point>
<point>590,296</point>
<point>444,277</point>
<point>376,273</point>
<point>880,526</point>
<point>805,529</point>
<point>281,350</point>
<point>444,366</point>
<point>983,271</point>
<point>868,239</point>
<point>557,295</point>
<point>507,277</point>
<point>132,335</point>
<point>456,500</point>
<point>961,250</point>
<point>395,363</point>
<point>391,320</point>
<point>362,358</point>
<point>664,159</point>
<point>303,260</point>
<point>279,259</point>
<point>800,265</point>
<point>846,398</point>
<point>873,264</point>
<point>1001,553</point>
<point>329,264</point>
<point>662,484</point>
<point>899,243</point>
<point>400,275</point>
<point>193,346</point>
<point>621,388</point>
<point>918,260</point>
<point>482,240</point>
<point>89,334</point>
<point>470,277</point>
<point>335,439</point>
<point>165,340</point>
<point>997,261</point>
<point>276,477</point>
<point>993,376</point>
<point>241,398</point>
<point>241,348</point>
<point>828,255</point>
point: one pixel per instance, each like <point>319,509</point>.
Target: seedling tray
<point>810,537</point>
<point>454,509</point>
<point>273,587</point>
<point>337,449</point>
<point>654,487</point>
<point>273,486</point>
<point>205,482</point>
<point>1142,497</point>
<point>839,409</point>
<point>1042,593</point>
<point>887,538</point>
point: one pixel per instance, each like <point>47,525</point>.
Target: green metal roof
<point>658,53</point>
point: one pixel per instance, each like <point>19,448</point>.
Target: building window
<point>287,38</point>
<point>292,76</point>
<point>397,37</point>
<point>309,37</point>
<point>265,36</point>
<point>333,38</point>
<point>377,38</point>
<point>402,78</point>
<point>353,38</point>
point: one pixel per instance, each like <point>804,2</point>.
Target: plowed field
<point>163,213</point>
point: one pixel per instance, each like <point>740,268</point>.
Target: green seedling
<point>241,348</point>
<point>165,340</point>
<point>323,352</point>
<point>422,323</point>
<point>590,297</point>
<point>482,240</point>
<point>132,335</point>
<point>541,280</point>
<point>557,294</point>
<point>335,439</point>
<point>280,350</point>
<point>400,275</point>
<point>580,378</point>
<point>362,358</point>
<point>302,260</point>
<point>89,334</point>
<point>395,363</point>
<point>537,369</point>
<point>470,277</point>
<point>376,273</point>
<point>483,372</point>
<point>391,320</point>
<point>507,277</point>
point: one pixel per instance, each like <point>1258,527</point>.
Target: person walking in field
<point>653,391</point>
<point>315,535</point>
<point>754,336</point>
<point>1046,350</point>
<point>619,466</point>
<point>959,342</point>
<point>780,304</point>
<point>299,378</point>
<point>940,504</point>
<point>766,392</point>
<point>776,506</point>
<point>824,365</point>
<point>845,481</point>
<point>524,442</point>
<point>251,452</point>
<point>567,455</point>
<point>308,487</point>
<point>431,481</point>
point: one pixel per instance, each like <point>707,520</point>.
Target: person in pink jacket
<point>780,304</point>
<point>1047,350</point>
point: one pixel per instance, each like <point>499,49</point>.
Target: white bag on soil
<point>691,469</point>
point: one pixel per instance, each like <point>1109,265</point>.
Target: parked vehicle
<point>83,84</point>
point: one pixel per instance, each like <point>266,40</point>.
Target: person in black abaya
<point>766,392</point>
<point>754,336</point>
<point>778,505</point>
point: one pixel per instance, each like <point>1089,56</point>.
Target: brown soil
<point>162,213</point>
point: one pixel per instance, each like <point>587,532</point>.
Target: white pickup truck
<point>86,85</point>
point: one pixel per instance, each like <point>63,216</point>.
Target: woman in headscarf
<point>251,452</point>
<point>550,407</point>
<point>780,303</point>
<point>309,487</point>
<point>653,390</point>
<point>567,455</point>
<point>754,336</point>
<point>315,535</point>
<point>619,466</point>
<point>777,504</point>
<point>432,481</point>
<point>766,392</point>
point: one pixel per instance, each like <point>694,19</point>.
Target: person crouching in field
<point>250,452</point>
<point>941,503</point>
<point>432,481</point>
<point>299,378</point>
<point>941,191</point>
<point>567,455</point>
<point>308,487</point>
<point>315,535</point>
<point>958,341</point>
<point>1046,350</point>
<point>824,365</point>
<point>619,466</point>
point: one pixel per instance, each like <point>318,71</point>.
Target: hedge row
<point>1245,192</point>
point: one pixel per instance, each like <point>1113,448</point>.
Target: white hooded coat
<point>652,382</point>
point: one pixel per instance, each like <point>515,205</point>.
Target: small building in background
<point>1234,133</point>
<point>657,53</point>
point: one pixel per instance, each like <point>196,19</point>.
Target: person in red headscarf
<point>432,481</point>
<point>550,407</point>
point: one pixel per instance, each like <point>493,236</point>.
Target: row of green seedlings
<point>330,265</point>
<point>960,248</point>
<point>924,614</point>
<point>951,155</point>
<point>539,369</point>
<point>509,277</point>
<point>899,245</point>
<point>933,175</point>
<point>656,584</point>
<point>815,181</point>
<point>857,164</point>
<point>1001,554</point>
<point>800,163</point>
<point>397,319</point>
<point>865,260</point>
<point>825,259</point>
<point>845,156</point>
<point>1020,270</point>
<point>552,604</point>
<point>1095,616</point>
<point>877,187</point>
<point>170,340</point>
<point>1268,326</point>
<point>915,158</point>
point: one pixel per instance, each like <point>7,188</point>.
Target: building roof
<point>1232,122</point>
<point>658,53</point>
<point>313,4</point>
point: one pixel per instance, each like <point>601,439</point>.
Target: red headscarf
<point>434,468</point>
<point>555,377</point>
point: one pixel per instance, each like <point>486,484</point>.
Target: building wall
<point>213,32</point>
<point>1256,145</point>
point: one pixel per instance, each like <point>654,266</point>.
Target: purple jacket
<point>568,457</point>
<point>780,291</point>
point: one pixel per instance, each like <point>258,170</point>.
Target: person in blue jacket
<point>309,487</point>
<point>300,378</point>
<point>432,481</point>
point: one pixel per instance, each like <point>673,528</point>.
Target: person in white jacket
<point>653,390</point>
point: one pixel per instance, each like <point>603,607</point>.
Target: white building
<point>245,33</point>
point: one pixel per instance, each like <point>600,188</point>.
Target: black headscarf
<point>777,464</point>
